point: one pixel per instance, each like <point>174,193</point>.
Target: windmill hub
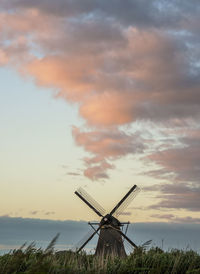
<point>110,237</point>
<point>110,220</point>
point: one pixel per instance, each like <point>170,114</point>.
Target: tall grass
<point>154,261</point>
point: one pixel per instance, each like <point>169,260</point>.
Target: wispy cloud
<point>34,212</point>
<point>175,219</point>
<point>177,195</point>
<point>73,173</point>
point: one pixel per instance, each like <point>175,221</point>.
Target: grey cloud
<point>140,12</point>
<point>49,213</point>
<point>126,213</point>
<point>175,219</point>
<point>181,164</point>
<point>96,36</point>
<point>177,195</point>
<point>164,216</point>
<point>73,173</point>
<point>64,166</point>
<point>34,212</point>
<point>186,220</point>
<point>17,231</point>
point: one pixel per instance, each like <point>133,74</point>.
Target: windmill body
<point>110,241</point>
<point>111,236</point>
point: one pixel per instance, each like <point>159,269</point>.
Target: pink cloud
<point>4,59</point>
<point>111,144</point>
<point>104,146</point>
<point>109,109</point>
<point>15,24</point>
<point>65,74</point>
<point>98,171</point>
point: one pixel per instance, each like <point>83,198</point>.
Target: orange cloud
<point>98,171</point>
<point>109,109</point>
<point>23,21</point>
<point>67,75</point>
<point>4,59</point>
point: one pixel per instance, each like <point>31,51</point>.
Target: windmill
<point>111,237</point>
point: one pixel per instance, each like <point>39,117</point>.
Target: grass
<point>31,260</point>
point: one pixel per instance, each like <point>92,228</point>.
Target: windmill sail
<point>77,246</point>
<point>83,195</point>
<point>121,202</point>
<point>126,202</point>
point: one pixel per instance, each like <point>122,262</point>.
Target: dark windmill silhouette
<point>111,237</point>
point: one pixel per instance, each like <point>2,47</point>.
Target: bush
<point>155,261</point>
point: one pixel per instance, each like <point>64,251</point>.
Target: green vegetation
<point>154,261</point>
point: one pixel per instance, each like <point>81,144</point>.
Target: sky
<point>101,95</point>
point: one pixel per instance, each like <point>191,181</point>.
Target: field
<point>155,261</point>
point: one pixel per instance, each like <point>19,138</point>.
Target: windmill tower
<point>109,229</point>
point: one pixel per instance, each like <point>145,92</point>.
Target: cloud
<point>120,85</point>
<point>73,173</point>
<point>17,231</point>
<point>97,171</point>
<point>137,11</point>
<point>180,163</point>
<point>126,213</point>
<point>183,163</point>
<point>181,166</point>
<point>178,196</point>
<point>144,13</point>
<point>34,212</point>
<point>175,219</point>
<point>49,213</point>
<point>120,63</point>
<point>104,146</point>
<point>3,58</point>
<point>121,79</point>
<point>112,144</point>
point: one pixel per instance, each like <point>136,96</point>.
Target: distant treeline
<point>155,261</point>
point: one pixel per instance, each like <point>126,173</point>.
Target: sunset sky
<point>100,94</point>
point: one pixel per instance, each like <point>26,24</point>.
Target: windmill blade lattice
<point>119,204</point>
<point>96,207</point>
<point>127,202</point>
<point>128,247</point>
<point>80,243</point>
